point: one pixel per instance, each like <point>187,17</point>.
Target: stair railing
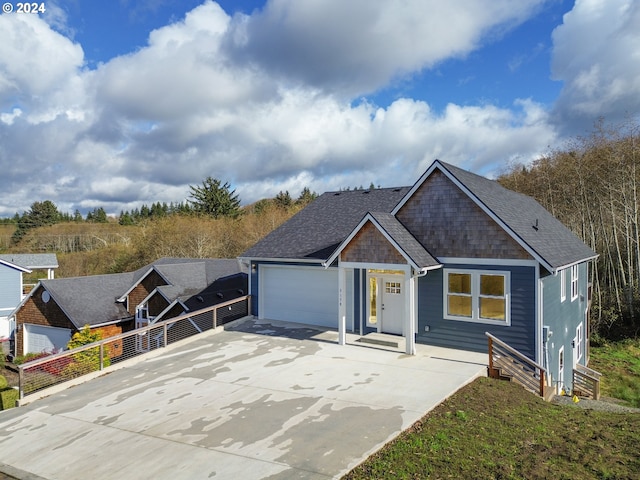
<point>586,382</point>
<point>507,362</point>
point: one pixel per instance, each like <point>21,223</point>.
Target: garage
<point>299,294</point>
<point>38,338</point>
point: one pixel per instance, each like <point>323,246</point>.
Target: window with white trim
<point>563,285</point>
<point>579,342</point>
<point>574,282</point>
<point>477,296</point>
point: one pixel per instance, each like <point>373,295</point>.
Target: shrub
<point>8,398</point>
<point>87,360</point>
<point>8,395</point>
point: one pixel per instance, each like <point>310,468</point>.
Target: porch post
<point>342,307</point>
<point>410,326</point>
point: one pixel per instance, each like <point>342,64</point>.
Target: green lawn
<point>620,365</point>
<point>494,429</point>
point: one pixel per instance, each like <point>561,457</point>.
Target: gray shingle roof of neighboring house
<point>31,260</point>
<point>405,240</point>
<point>317,230</point>
<point>92,299</point>
<point>530,221</point>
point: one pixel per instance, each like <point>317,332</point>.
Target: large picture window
<point>477,296</point>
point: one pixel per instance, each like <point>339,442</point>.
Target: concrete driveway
<point>258,400</point>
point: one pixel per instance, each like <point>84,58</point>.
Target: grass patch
<point>619,362</point>
<point>495,429</point>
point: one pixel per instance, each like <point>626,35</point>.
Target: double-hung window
<point>563,285</point>
<point>477,296</point>
<point>574,282</point>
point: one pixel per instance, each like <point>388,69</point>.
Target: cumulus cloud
<point>265,101</point>
<point>356,47</point>
<point>596,56</point>
<point>35,61</point>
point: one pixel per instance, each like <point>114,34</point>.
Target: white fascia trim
<point>25,299</point>
<point>489,261</point>
<point>376,266</point>
<point>354,232</point>
<point>148,297</point>
<point>15,267</point>
<point>171,305</point>
<point>568,265</point>
<point>53,297</point>
<point>124,296</point>
<point>281,260</point>
<point>415,187</point>
<point>105,324</point>
<point>346,241</point>
<point>153,268</point>
<point>476,200</point>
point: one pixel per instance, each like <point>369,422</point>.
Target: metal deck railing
<point>42,373</point>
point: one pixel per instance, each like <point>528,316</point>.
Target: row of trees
<point>593,187</point>
<point>212,198</point>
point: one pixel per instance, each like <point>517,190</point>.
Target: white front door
<point>386,303</point>
<point>392,304</point>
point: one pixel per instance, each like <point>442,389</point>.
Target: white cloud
<point>359,46</point>
<point>34,60</point>
<point>265,102</point>
<point>596,55</point>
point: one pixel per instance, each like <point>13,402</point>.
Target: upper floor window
<point>574,282</point>
<point>563,285</point>
<point>477,296</point>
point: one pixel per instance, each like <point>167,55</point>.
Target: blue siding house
<point>439,263</point>
<point>12,269</point>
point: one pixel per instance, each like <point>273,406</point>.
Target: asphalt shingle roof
<point>530,221</point>
<point>405,240</point>
<point>317,230</point>
<point>31,260</point>
<point>92,299</point>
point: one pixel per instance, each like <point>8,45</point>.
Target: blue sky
<point>123,102</point>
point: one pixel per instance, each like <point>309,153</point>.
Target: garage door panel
<point>39,338</point>
<point>304,295</point>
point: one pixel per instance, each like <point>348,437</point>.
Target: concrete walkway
<point>259,400</point>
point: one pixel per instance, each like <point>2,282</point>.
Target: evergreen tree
<point>283,200</point>
<point>306,197</point>
<point>215,199</point>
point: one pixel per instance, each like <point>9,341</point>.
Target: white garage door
<point>38,338</point>
<point>299,294</point>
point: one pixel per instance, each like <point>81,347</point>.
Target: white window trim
<point>475,296</point>
<point>563,285</point>
<point>579,342</point>
<point>574,282</point>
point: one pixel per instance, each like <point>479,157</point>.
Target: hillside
<point>97,248</point>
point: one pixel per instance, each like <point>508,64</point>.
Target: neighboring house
<point>440,263</point>
<point>13,267</point>
<point>116,303</point>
